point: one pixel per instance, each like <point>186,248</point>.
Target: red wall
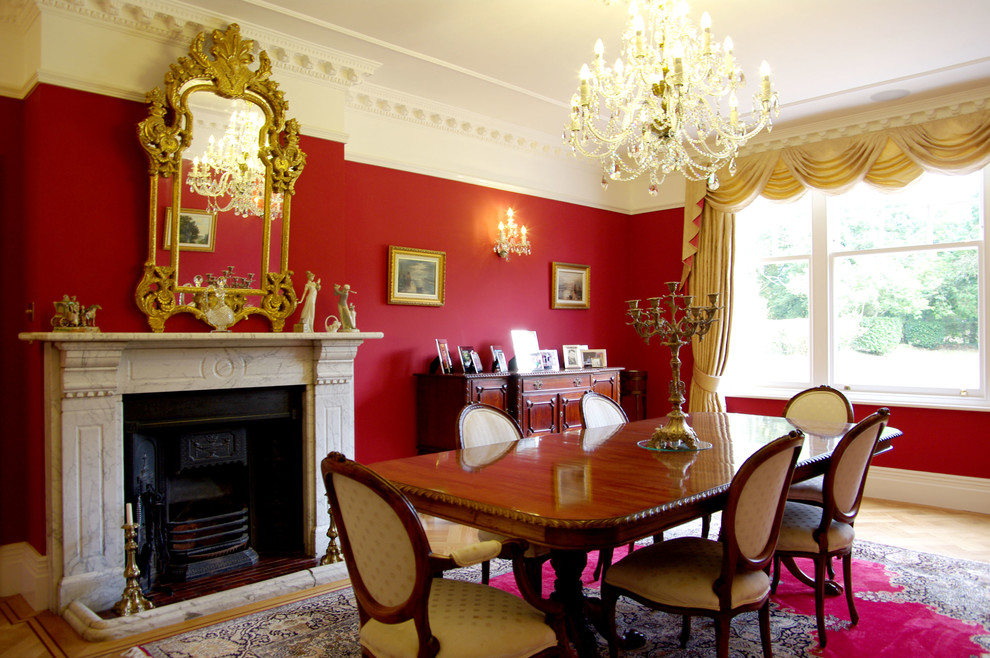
<point>74,223</point>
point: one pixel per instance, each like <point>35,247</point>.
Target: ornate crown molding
<point>412,109</point>
<point>863,122</point>
<point>177,24</point>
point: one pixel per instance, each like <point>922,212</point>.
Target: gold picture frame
<point>416,276</point>
<point>594,358</point>
<point>570,286</point>
<point>197,230</point>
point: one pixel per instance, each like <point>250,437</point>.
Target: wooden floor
<point>25,633</point>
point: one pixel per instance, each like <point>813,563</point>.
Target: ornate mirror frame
<point>167,133</point>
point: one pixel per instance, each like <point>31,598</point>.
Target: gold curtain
<point>887,159</point>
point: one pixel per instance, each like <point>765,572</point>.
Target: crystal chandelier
<point>231,175</point>
<point>511,238</point>
<point>659,109</point>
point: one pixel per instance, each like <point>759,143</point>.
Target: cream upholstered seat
<point>696,576</point>
<point>823,532</point>
<point>484,428</point>
<point>404,609</point>
<point>822,403</point>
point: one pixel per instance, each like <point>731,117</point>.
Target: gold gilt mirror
<point>224,160</point>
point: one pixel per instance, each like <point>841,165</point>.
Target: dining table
<point>593,488</point>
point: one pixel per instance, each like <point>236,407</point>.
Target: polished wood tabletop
<point>597,488</point>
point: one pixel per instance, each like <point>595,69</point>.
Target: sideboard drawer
<point>556,381</point>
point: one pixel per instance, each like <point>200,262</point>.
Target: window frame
<point>821,339</point>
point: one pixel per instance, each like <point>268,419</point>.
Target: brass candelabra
<point>675,325</point>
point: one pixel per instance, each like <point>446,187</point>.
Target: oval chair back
<point>482,425</point>
<point>822,403</point>
<point>598,410</point>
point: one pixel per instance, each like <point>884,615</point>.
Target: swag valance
<point>887,159</point>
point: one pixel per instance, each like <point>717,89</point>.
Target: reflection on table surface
<point>599,478</point>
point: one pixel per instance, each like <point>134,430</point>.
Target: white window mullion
<point>820,303</point>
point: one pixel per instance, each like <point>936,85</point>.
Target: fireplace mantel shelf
<point>88,375</point>
<point>198,338</point>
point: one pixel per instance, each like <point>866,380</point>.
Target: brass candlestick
<point>133,600</point>
<point>684,322</point>
<point>333,551</point>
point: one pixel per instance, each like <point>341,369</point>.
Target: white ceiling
<point>517,60</point>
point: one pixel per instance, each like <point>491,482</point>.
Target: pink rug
<point>899,614</point>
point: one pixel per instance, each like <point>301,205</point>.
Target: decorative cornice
<point>863,122</point>
<point>177,24</point>
<point>424,112</point>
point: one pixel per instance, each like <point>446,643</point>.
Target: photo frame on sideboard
<point>524,346</point>
<point>594,359</point>
<point>443,351</point>
<point>572,356</point>
<point>499,364</point>
<point>466,354</point>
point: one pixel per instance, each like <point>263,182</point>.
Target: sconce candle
<point>511,238</point>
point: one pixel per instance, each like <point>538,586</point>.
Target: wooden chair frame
<point>831,512</point>
<point>733,559</point>
<point>427,563</point>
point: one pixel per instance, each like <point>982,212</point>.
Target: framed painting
<point>197,230</point>
<point>570,286</point>
<point>416,276</point>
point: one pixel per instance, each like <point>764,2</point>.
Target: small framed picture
<point>572,356</point>
<point>416,276</point>
<point>466,353</point>
<point>197,230</point>
<point>524,345</point>
<point>446,365</point>
<point>548,360</point>
<point>594,359</point>
<point>570,286</point>
<point>476,361</point>
<point>499,363</point>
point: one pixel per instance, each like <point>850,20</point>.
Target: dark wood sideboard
<point>541,402</point>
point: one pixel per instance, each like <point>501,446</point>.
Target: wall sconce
<point>511,238</point>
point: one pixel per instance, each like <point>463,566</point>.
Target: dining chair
<point>404,608</point>
<point>696,576</point>
<point>598,410</point>
<point>823,532</point>
<point>821,403</point>
<point>482,425</point>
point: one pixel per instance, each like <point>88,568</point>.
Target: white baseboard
<point>24,571</point>
<point>956,492</point>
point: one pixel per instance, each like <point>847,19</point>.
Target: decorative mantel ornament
<point>685,321</point>
<point>70,315</point>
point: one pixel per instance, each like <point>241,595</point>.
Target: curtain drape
<point>887,159</point>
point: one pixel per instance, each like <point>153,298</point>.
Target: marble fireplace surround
<point>86,377</point>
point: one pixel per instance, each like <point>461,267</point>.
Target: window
<point>876,293</point>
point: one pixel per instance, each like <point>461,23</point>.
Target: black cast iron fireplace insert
<point>215,479</point>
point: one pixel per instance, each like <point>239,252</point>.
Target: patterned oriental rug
<point>910,604</point>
